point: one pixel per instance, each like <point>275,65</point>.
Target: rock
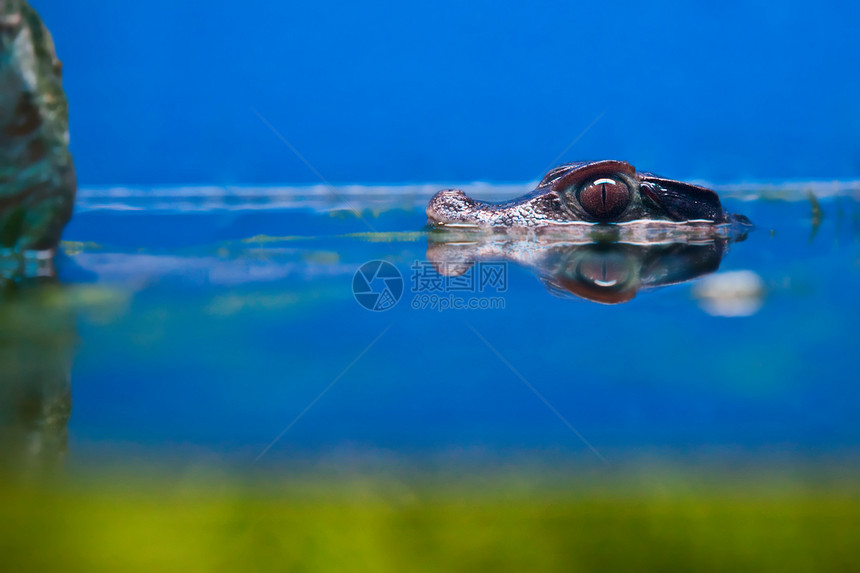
<point>732,293</point>
<point>37,176</point>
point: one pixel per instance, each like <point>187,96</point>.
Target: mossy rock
<point>37,177</point>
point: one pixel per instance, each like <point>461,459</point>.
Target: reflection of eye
<point>604,199</point>
<point>605,270</point>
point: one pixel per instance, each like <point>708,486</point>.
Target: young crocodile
<point>588,193</point>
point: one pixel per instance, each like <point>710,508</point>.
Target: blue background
<point>164,92</point>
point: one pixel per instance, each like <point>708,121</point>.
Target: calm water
<point>204,325</point>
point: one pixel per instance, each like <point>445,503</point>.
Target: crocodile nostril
<point>604,198</point>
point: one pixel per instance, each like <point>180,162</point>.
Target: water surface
<point>199,374</point>
<point>218,316</point>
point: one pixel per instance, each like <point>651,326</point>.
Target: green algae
<point>307,524</point>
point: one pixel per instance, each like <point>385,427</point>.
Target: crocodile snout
<point>449,206</point>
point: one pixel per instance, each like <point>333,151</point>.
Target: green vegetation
<point>389,237</point>
<point>817,215</point>
<point>380,525</point>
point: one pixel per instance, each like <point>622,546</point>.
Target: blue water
<point>170,92</point>
<point>220,326</point>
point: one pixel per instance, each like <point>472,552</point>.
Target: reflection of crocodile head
<point>608,273</point>
<point>35,363</point>
<point>588,193</point>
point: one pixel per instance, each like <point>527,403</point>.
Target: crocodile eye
<point>604,198</point>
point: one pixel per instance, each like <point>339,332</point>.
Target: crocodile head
<point>591,193</point>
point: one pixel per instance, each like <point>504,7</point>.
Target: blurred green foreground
<point>356,524</point>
